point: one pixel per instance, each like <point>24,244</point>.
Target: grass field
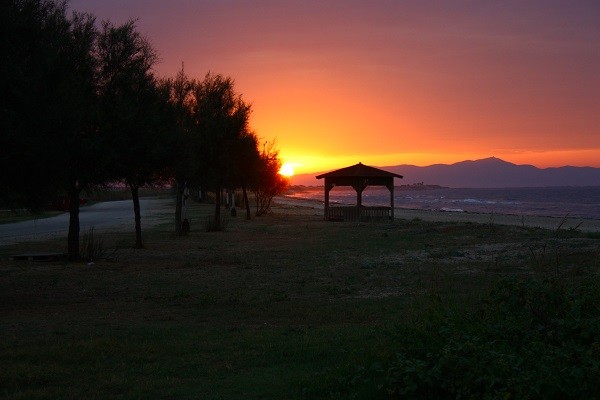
<point>285,306</point>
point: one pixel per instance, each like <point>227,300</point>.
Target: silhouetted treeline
<point>81,108</point>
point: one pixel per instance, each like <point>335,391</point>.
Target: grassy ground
<point>285,306</point>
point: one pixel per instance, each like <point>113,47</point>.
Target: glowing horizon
<point>307,163</point>
<point>389,83</point>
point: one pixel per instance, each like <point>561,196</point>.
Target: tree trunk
<point>178,208</point>
<point>246,201</point>
<point>138,220</point>
<point>218,208</point>
<point>73,238</point>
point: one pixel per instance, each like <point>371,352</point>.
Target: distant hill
<point>485,173</point>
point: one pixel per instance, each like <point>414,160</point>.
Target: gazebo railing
<point>351,213</point>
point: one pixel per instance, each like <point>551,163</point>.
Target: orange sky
<point>394,82</point>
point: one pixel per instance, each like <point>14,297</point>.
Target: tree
<point>184,166</point>
<point>84,149</point>
<point>137,116</point>
<point>221,117</point>
<point>48,108</point>
<point>246,163</point>
<point>268,182</point>
<point>32,32</point>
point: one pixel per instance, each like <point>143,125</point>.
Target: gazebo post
<point>359,186</point>
<point>391,187</point>
<point>358,189</point>
<point>327,189</point>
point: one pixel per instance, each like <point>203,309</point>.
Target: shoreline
<point>530,221</point>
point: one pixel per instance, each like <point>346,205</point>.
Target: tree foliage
<point>47,100</point>
<point>81,107</point>
<point>267,182</point>
<point>49,110</point>
<point>221,117</point>
<point>137,118</point>
<point>184,167</point>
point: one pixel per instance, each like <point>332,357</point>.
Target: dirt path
<point>100,216</point>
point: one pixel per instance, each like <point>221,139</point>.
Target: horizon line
<point>319,171</point>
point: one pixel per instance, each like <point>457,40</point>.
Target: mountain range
<point>485,173</point>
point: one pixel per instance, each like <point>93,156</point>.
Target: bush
<point>210,225</point>
<point>532,339</point>
<point>93,247</point>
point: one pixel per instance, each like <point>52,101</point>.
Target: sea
<point>576,202</point>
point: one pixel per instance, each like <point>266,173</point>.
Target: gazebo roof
<point>358,170</point>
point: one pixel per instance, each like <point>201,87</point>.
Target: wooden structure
<point>358,176</point>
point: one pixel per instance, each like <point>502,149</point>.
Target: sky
<point>393,82</point>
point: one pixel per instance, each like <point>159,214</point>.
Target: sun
<point>287,169</point>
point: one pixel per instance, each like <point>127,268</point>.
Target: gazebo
<point>358,176</point>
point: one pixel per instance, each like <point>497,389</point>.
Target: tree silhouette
<point>246,164</point>
<point>32,34</point>
<point>268,182</point>
<point>49,107</point>
<point>221,117</point>
<point>84,149</point>
<point>80,107</point>
<point>184,165</point>
<point>137,117</point>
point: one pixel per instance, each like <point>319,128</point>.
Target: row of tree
<point>81,107</point>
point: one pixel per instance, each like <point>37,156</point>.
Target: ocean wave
<point>474,201</point>
<point>557,202</point>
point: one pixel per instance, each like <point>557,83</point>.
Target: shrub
<point>93,247</point>
<point>211,226</point>
<point>533,338</point>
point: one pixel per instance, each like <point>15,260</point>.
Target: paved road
<point>101,216</point>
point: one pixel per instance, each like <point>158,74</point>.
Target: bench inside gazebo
<point>358,176</point>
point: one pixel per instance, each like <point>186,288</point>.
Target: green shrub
<point>531,338</point>
<point>93,246</point>
<point>210,225</point>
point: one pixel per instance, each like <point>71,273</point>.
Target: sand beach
<point>295,205</point>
